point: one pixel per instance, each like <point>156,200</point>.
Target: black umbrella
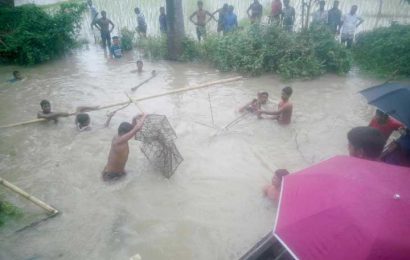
<point>391,98</point>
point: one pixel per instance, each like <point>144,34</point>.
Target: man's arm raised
<point>137,126</point>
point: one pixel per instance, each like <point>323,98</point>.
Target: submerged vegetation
<point>30,35</point>
<point>384,51</point>
<point>8,212</point>
<point>258,49</point>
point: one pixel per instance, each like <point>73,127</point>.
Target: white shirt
<point>349,23</point>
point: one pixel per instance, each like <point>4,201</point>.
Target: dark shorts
<point>112,176</point>
<point>106,38</point>
<point>142,29</point>
<point>201,31</point>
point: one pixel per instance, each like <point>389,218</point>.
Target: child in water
<point>115,50</point>
<point>272,191</point>
<point>256,104</point>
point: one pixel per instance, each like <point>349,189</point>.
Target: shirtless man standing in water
<point>201,20</point>
<point>119,151</point>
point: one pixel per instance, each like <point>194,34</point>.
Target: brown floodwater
<point>212,208</point>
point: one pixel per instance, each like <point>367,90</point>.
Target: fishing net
<point>157,137</point>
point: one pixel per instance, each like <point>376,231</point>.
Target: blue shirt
<point>163,23</point>
<point>230,22</point>
<point>116,51</point>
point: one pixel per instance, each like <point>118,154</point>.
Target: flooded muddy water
<point>212,208</point>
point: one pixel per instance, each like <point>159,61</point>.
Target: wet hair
<point>369,139</point>
<point>124,128</point>
<point>83,119</point>
<point>115,38</point>
<point>281,173</point>
<point>288,91</point>
<point>381,113</point>
<point>44,102</point>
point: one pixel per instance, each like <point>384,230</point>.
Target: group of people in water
<point>365,142</point>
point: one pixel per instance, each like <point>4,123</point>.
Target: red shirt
<point>387,128</point>
<point>285,112</point>
<point>276,7</point>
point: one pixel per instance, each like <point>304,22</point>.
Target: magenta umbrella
<point>346,208</point>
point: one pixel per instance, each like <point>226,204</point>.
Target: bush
<point>127,38</point>
<point>30,35</point>
<point>8,211</point>
<point>384,51</point>
<point>154,47</point>
<point>259,49</point>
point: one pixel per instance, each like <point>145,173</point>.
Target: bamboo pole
<point>205,85</point>
<point>27,196</point>
<point>153,74</point>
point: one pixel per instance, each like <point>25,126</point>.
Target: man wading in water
<point>119,151</point>
<point>200,20</point>
<point>47,114</point>
<point>103,24</point>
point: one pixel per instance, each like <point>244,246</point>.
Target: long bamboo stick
<point>27,196</point>
<point>138,99</point>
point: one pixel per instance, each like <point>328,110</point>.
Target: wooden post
<point>176,29</point>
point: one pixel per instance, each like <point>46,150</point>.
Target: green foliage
<point>384,51</point>
<point>258,49</point>
<point>8,211</point>
<point>127,38</point>
<point>30,35</point>
<point>191,50</point>
<point>154,47</point>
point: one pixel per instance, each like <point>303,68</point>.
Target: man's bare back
<point>119,151</point>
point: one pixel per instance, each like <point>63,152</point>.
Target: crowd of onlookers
<point>282,15</point>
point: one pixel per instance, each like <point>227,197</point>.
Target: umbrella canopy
<point>391,98</point>
<point>346,208</point>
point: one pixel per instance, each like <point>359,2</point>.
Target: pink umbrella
<point>346,208</point>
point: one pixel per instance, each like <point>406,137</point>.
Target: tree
<point>176,29</point>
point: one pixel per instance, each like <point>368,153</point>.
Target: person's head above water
<point>116,40</point>
<point>83,120</point>
<point>200,4</point>
<point>104,14</point>
<point>17,75</point>
<point>124,128</point>
<point>277,178</point>
<point>137,10</point>
<point>263,97</point>
<point>45,106</point>
<point>366,142</point>
<point>140,65</point>
<point>286,93</point>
